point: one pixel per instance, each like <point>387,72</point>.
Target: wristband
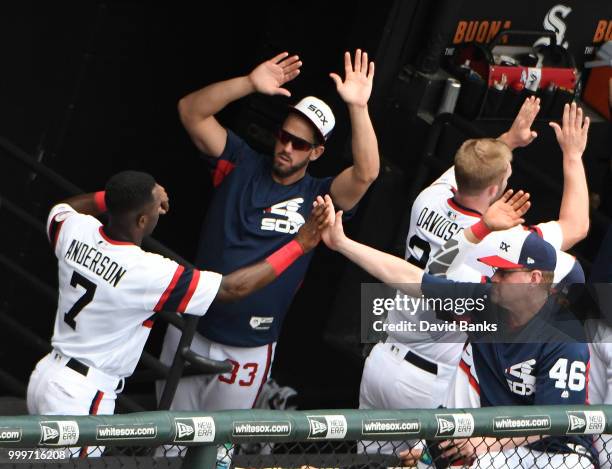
<point>285,256</point>
<point>99,201</point>
<point>480,230</point>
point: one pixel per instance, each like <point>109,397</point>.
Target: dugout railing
<point>185,362</point>
<point>323,430</point>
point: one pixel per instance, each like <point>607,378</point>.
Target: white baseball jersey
<point>436,218</point>
<point>109,292</point>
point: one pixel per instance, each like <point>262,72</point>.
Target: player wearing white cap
<point>110,291</point>
<point>257,203</point>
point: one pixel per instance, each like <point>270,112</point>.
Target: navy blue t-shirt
<point>545,362</point>
<point>250,217</point>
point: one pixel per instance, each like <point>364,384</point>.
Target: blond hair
<point>480,163</point>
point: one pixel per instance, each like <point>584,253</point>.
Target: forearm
<point>385,267</point>
<point>574,211</point>
<point>247,280</point>
<point>208,101</point>
<point>87,204</point>
<point>366,160</point>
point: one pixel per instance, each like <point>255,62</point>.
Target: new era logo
<point>49,435</point>
<point>588,422</point>
<point>183,430</point>
<point>530,261</point>
<point>445,426</point>
<point>195,429</point>
<point>58,433</point>
<point>455,424</point>
<point>317,427</point>
<point>576,423</point>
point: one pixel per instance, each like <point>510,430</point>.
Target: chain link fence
<point>478,452</point>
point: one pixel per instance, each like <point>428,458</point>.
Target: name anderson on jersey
<point>437,224</point>
<point>93,260</point>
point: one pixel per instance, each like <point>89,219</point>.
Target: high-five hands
<point>270,76</point>
<point>572,137</point>
<point>508,211</point>
<point>357,85</point>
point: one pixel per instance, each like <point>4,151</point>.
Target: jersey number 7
<point>90,290</point>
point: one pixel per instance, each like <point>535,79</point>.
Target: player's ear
<point>536,276</point>
<point>317,152</point>
<point>142,221</point>
<point>492,191</point>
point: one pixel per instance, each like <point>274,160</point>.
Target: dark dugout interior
<point>90,88</point>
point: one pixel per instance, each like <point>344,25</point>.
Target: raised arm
<point>506,213</point>
<point>352,183</point>
<point>197,109</point>
<point>574,212</point>
<point>520,133</point>
<point>247,280</point>
<point>94,203</point>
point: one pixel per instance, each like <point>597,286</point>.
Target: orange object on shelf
<point>596,91</point>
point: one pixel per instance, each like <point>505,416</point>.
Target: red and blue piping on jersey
<point>93,410</point>
<point>265,374</point>
<point>113,241</point>
<point>54,230</point>
<point>148,323</point>
<point>463,209</point>
<point>180,290</point>
<point>468,372</point>
<point>222,169</point>
<point>534,229</point>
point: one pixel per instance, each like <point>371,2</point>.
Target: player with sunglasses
<point>259,202</point>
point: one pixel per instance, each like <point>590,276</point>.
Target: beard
<point>286,171</point>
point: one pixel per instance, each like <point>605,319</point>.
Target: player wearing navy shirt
<point>258,203</point>
<point>537,354</point>
<point>250,215</point>
<point>550,371</point>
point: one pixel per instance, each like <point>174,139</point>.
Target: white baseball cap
<point>317,112</point>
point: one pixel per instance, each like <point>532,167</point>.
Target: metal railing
<point>202,432</point>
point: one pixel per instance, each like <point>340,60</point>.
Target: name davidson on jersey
<point>96,262</point>
<point>437,224</point>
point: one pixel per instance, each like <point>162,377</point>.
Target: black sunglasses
<point>296,142</point>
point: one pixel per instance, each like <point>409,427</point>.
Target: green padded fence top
<point>187,428</point>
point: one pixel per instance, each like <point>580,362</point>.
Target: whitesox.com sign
<point>519,424</point>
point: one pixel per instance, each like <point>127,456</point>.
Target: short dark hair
<point>128,191</point>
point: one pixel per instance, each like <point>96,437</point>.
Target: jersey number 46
<point>574,378</point>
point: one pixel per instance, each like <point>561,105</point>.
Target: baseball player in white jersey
<point>110,291</point>
<point>413,370</point>
<point>600,333</point>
